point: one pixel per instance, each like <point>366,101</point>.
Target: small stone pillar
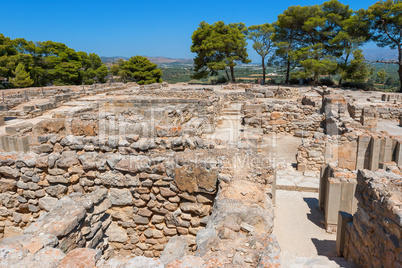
<point>369,117</point>
<point>398,153</point>
<point>339,197</point>
<point>343,219</point>
<point>375,148</point>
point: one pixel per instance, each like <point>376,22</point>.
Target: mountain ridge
<point>156,60</point>
<point>370,53</point>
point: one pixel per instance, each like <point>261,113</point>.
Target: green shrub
<point>89,82</point>
<point>221,79</point>
<point>363,86</point>
<point>272,81</point>
<point>294,81</point>
<point>327,81</point>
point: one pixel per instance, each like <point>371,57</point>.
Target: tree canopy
<point>261,35</point>
<point>21,78</point>
<point>385,22</point>
<point>48,63</point>
<point>218,46</point>
<point>138,69</point>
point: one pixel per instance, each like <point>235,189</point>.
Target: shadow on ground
<point>327,248</point>
<point>316,216</point>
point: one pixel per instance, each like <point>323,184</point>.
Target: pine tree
<point>357,70</point>
<point>22,78</point>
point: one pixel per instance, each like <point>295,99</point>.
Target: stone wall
<point>156,186</point>
<point>301,120</point>
<point>49,98</point>
<point>59,235</point>
<point>323,149</point>
<point>353,150</point>
<point>152,194</point>
<point>388,112</point>
<point>373,238</point>
<point>138,202</point>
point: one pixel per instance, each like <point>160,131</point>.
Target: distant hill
<point>157,60</point>
<point>378,53</point>
<point>112,59</point>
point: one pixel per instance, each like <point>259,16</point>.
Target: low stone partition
<point>238,233</point>
<point>11,99</point>
<point>132,204</point>
<point>353,150</point>
<point>391,97</point>
<point>323,149</point>
<point>301,120</point>
<point>261,92</point>
<point>92,132</point>
<point>156,186</point>
<point>336,193</point>
<point>286,92</point>
<point>58,236</point>
<point>373,238</point>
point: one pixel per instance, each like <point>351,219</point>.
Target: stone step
<point>231,113</point>
<point>297,188</point>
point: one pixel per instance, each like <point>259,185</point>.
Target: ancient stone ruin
<point>162,175</point>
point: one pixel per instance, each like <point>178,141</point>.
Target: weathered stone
<point>122,213</point>
<point>134,164</point>
<point>166,192</point>
<point>140,220</point>
<point>98,195</point>
<point>191,207</point>
<point>47,257</point>
<point>10,231</point>
<point>8,185</point>
<point>63,218</point>
<point>169,231</point>
<point>56,190</point>
<point>116,233</point>
<point>157,219</point>
<point>57,179</point>
<point>120,197</point>
<point>92,160</point>
<point>175,249</point>
<point>140,262</point>
<point>68,159</point>
<point>9,172</point>
<point>195,178</point>
<point>145,212</point>
<point>81,257</point>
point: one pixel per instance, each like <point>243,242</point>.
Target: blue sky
<point>128,28</point>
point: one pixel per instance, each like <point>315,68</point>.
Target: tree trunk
<point>287,73</point>
<point>232,73</point>
<point>316,78</point>
<point>346,62</point>
<point>400,67</point>
<point>227,74</point>
<point>263,71</point>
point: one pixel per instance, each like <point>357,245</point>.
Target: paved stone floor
<point>390,126</point>
<point>291,179</point>
<point>300,233</point>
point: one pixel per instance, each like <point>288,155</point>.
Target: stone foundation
<point>373,238</point>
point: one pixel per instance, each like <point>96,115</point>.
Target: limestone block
<point>61,220</point>
<point>116,233</point>
<point>195,178</point>
<point>81,257</point>
<point>120,197</point>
